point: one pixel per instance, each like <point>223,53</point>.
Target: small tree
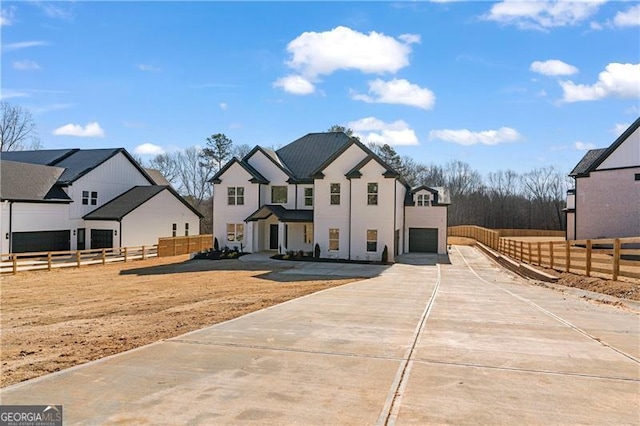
<point>385,255</point>
<point>316,251</point>
<point>17,128</point>
<point>219,149</point>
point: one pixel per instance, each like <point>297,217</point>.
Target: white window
<point>308,234</point>
<point>235,231</point>
<point>279,194</point>
<point>308,196</point>
<point>372,194</point>
<point>423,200</point>
<point>334,239</point>
<point>86,200</point>
<point>335,193</point>
<point>235,195</point>
<point>175,230</point>
<point>372,240</point>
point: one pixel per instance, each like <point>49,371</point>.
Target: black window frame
<point>372,196</point>
<point>286,194</point>
<point>334,195</point>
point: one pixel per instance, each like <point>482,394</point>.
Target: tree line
<point>502,199</point>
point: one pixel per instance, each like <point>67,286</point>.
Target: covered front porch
<point>276,228</point>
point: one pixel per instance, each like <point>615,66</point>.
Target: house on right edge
<point>605,200</point>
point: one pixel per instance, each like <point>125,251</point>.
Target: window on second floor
<point>423,200</point>
<point>235,195</point>
<point>372,194</point>
<point>89,198</point>
<point>335,193</point>
<point>308,196</point>
<point>279,194</point>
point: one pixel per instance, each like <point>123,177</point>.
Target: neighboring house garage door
<point>423,240</point>
<point>23,242</point>
<point>101,238</point>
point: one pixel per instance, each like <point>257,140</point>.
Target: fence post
<point>522,251</point>
<point>588,260</point>
<point>143,257</point>
<point>78,257</point>
<point>567,254</point>
<point>14,258</point>
<point>125,254</point>
<point>104,256</point>
<point>616,258</point>
<point>551,254</point>
<point>174,246</point>
<point>539,253</point>
<point>48,261</point>
<point>529,252</point>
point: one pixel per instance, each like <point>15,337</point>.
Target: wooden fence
<point>174,246</point>
<point>18,262</point>
<point>608,258</point>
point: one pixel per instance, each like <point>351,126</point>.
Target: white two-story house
<point>73,199</point>
<point>326,189</point>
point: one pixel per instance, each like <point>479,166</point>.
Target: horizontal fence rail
<point>19,262</point>
<point>174,246</point>
<point>608,258</point>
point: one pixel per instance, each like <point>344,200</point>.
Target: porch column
<point>282,236</point>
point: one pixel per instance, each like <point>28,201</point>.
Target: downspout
<point>349,245</point>
<point>296,198</point>
<point>10,227</point>
<point>575,209</point>
<point>120,231</point>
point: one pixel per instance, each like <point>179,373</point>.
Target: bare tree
<point>166,164</point>
<point>241,150</point>
<point>17,128</point>
<point>194,176</point>
<point>336,128</point>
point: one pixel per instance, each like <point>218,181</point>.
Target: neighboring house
<point>605,201</point>
<point>72,199</point>
<point>326,189</point>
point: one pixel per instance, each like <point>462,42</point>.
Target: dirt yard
<point>54,320</point>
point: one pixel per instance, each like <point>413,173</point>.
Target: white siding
<point>378,217</point>
<point>328,216</point>
<point>300,201</point>
<point>626,155</point>
<point>113,225</point>
<point>428,217</point>
<point>31,217</point>
<point>223,213</point>
<point>110,179</point>
<point>401,191</point>
<point>154,219</point>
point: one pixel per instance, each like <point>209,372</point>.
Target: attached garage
<point>24,242</point>
<point>101,238</point>
<point>423,240</point>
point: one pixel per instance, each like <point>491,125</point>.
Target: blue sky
<point>498,85</point>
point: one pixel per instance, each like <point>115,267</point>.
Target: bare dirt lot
<point>55,320</point>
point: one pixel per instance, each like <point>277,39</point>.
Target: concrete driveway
<point>459,343</point>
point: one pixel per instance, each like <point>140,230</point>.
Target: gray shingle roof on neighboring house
<point>77,162</point>
<point>121,206</point>
<point>31,182</point>
<point>303,156</point>
<point>587,161</point>
<point>158,177</point>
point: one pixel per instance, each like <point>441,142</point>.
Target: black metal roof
<point>587,161</point>
<point>30,182</point>
<point>303,156</point>
<point>121,206</point>
<point>77,162</point>
<point>283,215</point>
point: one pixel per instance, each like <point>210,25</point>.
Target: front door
<point>80,239</point>
<point>273,237</point>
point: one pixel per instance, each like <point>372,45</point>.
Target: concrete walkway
<point>462,343</point>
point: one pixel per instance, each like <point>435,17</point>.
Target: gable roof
<point>283,214</point>
<point>77,162</point>
<point>440,195</point>
<point>304,155</point>
<point>127,202</point>
<point>355,173</point>
<point>31,182</point>
<point>586,163</point>
<point>256,177</point>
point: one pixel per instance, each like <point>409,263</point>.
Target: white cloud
<point>397,91</point>
<point>9,93</point>
<point>224,106</point>
<point>485,137</point>
<point>22,45</point>
<point>617,80</point>
<point>7,15</point>
<point>629,18</point>
<point>542,14</point>
<point>582,146</point>
<point>56,11</point>
<point>314,54</point>
<point>295,84</point>
<point>147,67</point>
<point>619,128</point>
<point>553,67</point>
<point>51,107</point>
<point>26,65</point>
<point>374,130</point>
<point>148,149</point>
<point>91,130</point>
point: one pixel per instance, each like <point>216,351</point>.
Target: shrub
<point>289,253</point>
<point>385,255</point>
<point>216,246</point>
<point>316,251</point>
<point>300,253</point>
